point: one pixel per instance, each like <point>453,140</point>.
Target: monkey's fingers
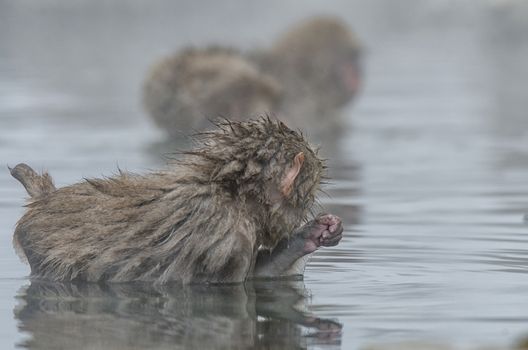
<point>313,230</point>
<point>338,226</point>
<point>333,230</point>
<point>332,241</point>
<point>332,221</point>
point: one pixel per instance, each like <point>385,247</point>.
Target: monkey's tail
<point>36,185</point>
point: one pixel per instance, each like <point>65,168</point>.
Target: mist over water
<point>430,175</point>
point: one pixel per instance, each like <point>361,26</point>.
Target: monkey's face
<point>324,53</point>
<point>264,164</point>
<point>301,180</point>
<point>348,71</point>
<point>292,191</point>
<point>335,73</point>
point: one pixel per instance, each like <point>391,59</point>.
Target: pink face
<point>350,77</point>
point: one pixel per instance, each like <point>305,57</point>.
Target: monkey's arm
<point>290,256</point>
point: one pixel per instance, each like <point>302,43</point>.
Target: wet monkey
<point>227,211</point>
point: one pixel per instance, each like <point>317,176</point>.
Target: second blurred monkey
<point>317,62</point>
<point>309,73</point>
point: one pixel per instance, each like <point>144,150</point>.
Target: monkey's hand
<point>290,256</point>
<point>325,230</point>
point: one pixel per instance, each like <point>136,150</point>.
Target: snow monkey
<point>229,210</point>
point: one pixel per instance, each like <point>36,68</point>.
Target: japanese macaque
<point>227,211</point>
<point>317,63</point>
<point>312,70</point>
<point>186,90</point>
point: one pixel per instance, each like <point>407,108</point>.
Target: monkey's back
<point>183,91</point>
<point>129,228</point>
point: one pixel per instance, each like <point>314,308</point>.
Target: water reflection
<point>137,316</point>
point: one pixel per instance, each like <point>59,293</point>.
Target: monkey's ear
<point>288,180</point>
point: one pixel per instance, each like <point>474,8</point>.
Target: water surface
<point>430,176</point>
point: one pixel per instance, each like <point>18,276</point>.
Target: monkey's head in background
<point>265,164</point>
<point>326,54</point>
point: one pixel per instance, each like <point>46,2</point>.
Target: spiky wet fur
<point>200,221</point>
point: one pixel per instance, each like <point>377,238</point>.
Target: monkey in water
<point>183,91</point>
<point>312,70</point>
<point>227,211</point>
<point>318,65</point>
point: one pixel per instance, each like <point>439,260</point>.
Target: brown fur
<point>184,90</point>
<point>36,185</point>
<point>312,61</point>
<point>200,221</point>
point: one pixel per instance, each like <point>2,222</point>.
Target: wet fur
<point>36,185</point>
<point>200,221</point>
